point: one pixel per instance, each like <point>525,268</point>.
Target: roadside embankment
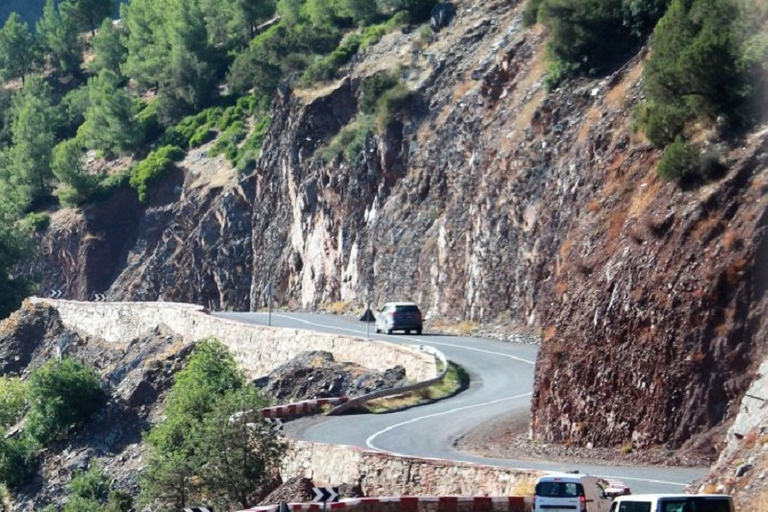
<point>258,349</point>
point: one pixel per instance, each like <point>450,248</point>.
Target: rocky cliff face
<point>489,199</point>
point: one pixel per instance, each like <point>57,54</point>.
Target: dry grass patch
<point>525,486</point>
<point>617,96</point>
<point>456,380</point>
<point>468,327</point>
<point>616,223</point>
<point>339,307</point>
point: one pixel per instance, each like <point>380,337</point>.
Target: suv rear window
<point>407,309</point>
<point>559,489</point>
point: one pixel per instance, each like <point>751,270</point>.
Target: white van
<point>673,503</point>
<point>571,492</point>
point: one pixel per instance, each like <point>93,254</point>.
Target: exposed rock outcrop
<point>316,374</point>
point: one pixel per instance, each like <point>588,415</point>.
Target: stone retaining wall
<point>383,474</point>
<point>258,349</point>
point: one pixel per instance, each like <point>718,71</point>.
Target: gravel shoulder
<point>507,437</point>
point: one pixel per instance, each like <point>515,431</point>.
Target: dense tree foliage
<point>108,50</point>
<point>61,395</point>
<point>59,34</point>
<point>19,53</point>
<point>592,36</point>
<point>76,186</point>
<point>13,400</point>
<point>88,13</point>
<point>110,124</point>
<point>29,158</point>
<point>197,451</point>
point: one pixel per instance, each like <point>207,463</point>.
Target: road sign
<point>268,290</point>
<point>276,425</point>
<point>199,509</point>
<point>325,494</point>
<point>55,294</point>
<point>99,297</point>
<point>368,316</point>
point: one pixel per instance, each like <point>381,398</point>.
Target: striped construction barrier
<point>414,504</point>
<point>299,408</point>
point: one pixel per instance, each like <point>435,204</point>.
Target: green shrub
<point>324,69</point>
<point>61,396</point>
<point>90,484</point>
<point>350,140</point>
<point>14,393</point>
<point>662,123</point>
<point>153,169</point>
<point>700,65</point>
<point>250,151</point>
<point>557,72</point>
<point>191,128</point>
<point>37,222</point>
<point>372,87</point>
<point>111,185</point>
<point>373,34</point>
<point>17,461</point>
<point>680,163</point>
<point>148,121</point>
<point>201,136</point>
<point>531,12</point>
<point>228,142</point>
<point>393,103</point>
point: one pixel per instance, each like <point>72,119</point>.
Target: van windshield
<point>559,489</point>
<point>695,504</point>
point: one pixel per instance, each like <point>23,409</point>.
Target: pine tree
<point>19,54</point>
<point>88,13</point>
<point>110,120</point>
<point>108,49</point>
<point>33,140</point>
<point>59,35</point>
<point>68,165</point>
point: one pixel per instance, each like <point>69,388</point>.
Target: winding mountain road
<point>501,381</point>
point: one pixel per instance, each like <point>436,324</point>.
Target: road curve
<point>501,376</point>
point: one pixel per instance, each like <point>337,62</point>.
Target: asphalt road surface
<point>501,380</point>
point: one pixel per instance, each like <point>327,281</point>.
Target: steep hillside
<point>486,199</point>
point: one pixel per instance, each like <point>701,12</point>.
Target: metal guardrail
<point>355,402</point>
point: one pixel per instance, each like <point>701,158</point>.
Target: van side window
<point>634,506</point>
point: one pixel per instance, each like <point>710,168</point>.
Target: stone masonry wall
<point>258,349</point>
<point>382,474</point>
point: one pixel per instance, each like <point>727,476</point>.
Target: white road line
<point>369,441</point>
<point>415,340</point>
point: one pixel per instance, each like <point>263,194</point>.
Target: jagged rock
<point>297,489</point>
<point>316,374</point>
<point>33,333</point>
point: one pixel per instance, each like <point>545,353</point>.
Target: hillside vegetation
<point>151,90</point>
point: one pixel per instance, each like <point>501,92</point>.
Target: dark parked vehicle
<point>399,316</point>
